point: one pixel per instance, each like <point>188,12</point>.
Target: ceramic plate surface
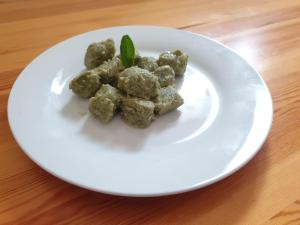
<point>225,119</point>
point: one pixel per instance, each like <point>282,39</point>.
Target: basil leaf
<point>127,51</point>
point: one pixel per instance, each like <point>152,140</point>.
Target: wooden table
<point>265,191</point>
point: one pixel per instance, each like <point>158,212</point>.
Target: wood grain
<point>266,191</point>
<point>290,215</point>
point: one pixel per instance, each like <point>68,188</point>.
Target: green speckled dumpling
<point>99,52</point>
<point>85,84</point>
<point>108,71</point>
<point>166,76</point>
<point>147,63</point>
<point>177,60</point>
<point>138,82</point>
<point>104,104</point>
<point>137,112</point>
<point>167,101</point>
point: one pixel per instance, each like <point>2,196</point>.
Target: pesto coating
<point>137,112</point>
<point>85,84</point>
<point>140,93</point>
<point>138,82</point>
<point>104,104</point>
<point>166,76</point>
<point>167,101</point>
<point>108,71</point>
<point>110,92</point>
<point>177,60</point>
<point>99,52</point>
<point>147,63</point>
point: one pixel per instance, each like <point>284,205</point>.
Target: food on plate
<point>177,60</point>
<point>99,52</point>
<point>166,76</point>
<point>168,100</point>
<point>137,112</point>
<point>147,63</point>
<point>141,88</point>
<point>86,84</point>
<point>108,71</point>
<point>104,104</point>
<point>138,82</point>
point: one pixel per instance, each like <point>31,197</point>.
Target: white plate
<point>225,119</point>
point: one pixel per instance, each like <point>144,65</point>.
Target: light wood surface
<point>266,191</point>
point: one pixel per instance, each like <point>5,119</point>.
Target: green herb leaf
<point>127,51</point>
